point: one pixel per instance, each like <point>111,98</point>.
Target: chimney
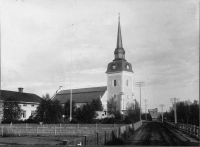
<point>20,89</point>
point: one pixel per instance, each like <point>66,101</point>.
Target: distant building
<point>154,114</point>
<point>119,84</point>
<point>27,101</point>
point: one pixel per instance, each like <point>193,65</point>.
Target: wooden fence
<point>86,134</point>
<point>189,129</point>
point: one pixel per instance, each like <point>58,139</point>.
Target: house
<point>154,114</point>
<point>83,96</point>
<point>27,101</point>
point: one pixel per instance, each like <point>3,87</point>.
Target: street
<point>156,134</point>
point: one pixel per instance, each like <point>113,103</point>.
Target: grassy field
<point>50,140</point>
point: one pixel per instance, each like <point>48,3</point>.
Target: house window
<point>24,105</point>
<point>102,114</point>
<point>23,114</point>
<point>127,96</point>
<point>32,105</point>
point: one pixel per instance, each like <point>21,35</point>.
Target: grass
<point>50,140</point>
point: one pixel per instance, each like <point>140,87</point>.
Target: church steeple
<point>119,51</point>
<point>119,36</point>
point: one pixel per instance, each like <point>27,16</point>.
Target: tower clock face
<point>114,66</point>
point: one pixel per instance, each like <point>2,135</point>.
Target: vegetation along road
<point>157,134</point>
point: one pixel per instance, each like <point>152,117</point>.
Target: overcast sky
<point>42,38</point>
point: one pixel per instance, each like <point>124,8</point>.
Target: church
<point>119,84</point>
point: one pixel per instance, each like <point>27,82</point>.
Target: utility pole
<point>70,115</point>
<point>145,100</point>
<point>140,84</point>
<point>174,101</point>
<point>162,105</point>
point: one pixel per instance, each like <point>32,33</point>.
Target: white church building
<point>119,84</point>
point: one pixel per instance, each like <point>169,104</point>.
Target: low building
<point>27,101</point>
<point>83,96</point>
<point>154,114</point>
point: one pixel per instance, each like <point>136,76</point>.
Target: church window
<point>115,83</point>
<point>126,82</point>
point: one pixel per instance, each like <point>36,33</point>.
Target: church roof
<point>83,95</point>
<point>118,66</point>
<point>20,96</point>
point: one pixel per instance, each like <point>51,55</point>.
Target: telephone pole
<point>140,84</point>
<point>162,105</point>
<point>145,100</point>
<point>174,101</point>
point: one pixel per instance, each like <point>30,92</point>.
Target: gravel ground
<point>157,134</point>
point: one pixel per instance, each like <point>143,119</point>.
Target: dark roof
<point>120,65</point>
<point>83,95</point>
<point>20,96</point>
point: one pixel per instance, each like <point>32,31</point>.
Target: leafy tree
<point>49,111</point>
<point>187,112</point>
<point>86,113</point>
<point>112,106</point>
<point>11,110</point>
<point>133,113</point>
<point>97,104</point>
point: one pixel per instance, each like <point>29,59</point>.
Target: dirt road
<point>155,133</point>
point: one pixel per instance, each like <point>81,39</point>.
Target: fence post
<point>97,138</point>
<point>26,126</point>
<point>105,138</point>
<point>96,126</point>
<point>1,130</point>
<point>55,130</point>
<point>78,126</point>
<point>85,140</point>
<point>37,130</point>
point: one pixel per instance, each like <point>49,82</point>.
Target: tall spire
<point>119,36</point>
<point>119,51</point>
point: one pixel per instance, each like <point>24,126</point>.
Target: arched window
<point>115,83</point>
<point>126,82</point>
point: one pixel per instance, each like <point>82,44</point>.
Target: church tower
<point>120,77</point>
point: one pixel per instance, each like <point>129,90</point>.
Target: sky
<point>46,43</point>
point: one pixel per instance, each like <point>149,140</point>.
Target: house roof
<point>84,95</point>
<point>20,96</point>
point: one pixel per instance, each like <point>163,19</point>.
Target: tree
<point>49,111</point>
<point>11,110</point>
<point>86,113</point>
<point>97,104</point>
<point>112,106</point>
<point>133,113</point>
